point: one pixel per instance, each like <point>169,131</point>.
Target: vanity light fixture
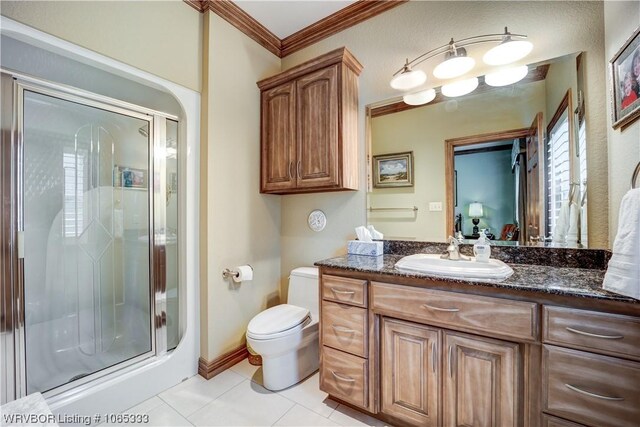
<point>506,76</point>
<point>512,47</point>
<point>456,63</point>
<point>420,98</point>
<point>508,51</point>
<point>460,88</point>
<point>407,79</point>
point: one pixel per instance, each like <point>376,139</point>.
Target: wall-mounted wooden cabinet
<point>309,122</point>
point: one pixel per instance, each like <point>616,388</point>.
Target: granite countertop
<point>577,282</point>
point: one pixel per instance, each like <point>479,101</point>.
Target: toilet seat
<point>278,321</point>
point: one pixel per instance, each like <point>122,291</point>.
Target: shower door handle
<point>20,244</point>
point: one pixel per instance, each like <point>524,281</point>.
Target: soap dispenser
<point>482,249</point>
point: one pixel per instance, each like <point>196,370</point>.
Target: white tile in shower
<point>194,393</point>
<point>247,404</point>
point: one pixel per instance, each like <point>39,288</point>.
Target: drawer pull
<point>343,378</point>
<point>448,310</point>
<point>344,329</point>
<point>451,361</point>
<point>342,291</point>
<point>588,393</point>
<point>591,334</point>
<point>434,357</point>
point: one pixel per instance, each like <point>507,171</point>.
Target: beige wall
<point>161,37</point>
<point>560,77</point>
<point>239,225</point>
<point>621,20</point>
<point>382,43</point>
<point>423,131</point>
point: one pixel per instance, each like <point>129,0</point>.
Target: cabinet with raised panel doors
<point>478,377</point>
<point>426,353</point>
<point>309,120</point>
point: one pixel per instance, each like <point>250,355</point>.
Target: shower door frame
<point>13,368</point>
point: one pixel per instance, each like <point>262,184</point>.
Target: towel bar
<point>634,177</point>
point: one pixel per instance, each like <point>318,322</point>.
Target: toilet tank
<point>303,289</point>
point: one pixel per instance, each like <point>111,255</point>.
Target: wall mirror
<point>508,160</point>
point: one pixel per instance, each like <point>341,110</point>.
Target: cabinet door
<point>317,129</point>
<point>410,372</point>
<point>481,381</point>
<point>278,141</point>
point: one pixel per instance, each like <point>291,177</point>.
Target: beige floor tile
<point>160,415</point>
<point>308,394</point>
<point>165,415</point>
<point>194,393</point>
<point>299,416</point>
<point>247,404</point>
<point>249,371</point>
<point>346,416</point>
<point>145,406</point>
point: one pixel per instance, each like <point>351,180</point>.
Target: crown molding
<point>345,18</point>
<point>537,74</point>
<point>240,19</point>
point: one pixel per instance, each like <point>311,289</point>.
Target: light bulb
<point>507,52</point>
<point>408,79</point>
<point>453,67</point>
<point>460,88</point>
<point>420,98</point>
<point>507,76</point>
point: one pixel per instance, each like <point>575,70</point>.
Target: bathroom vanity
<point>547,346</point>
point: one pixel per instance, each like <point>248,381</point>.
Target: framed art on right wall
<point>625,83</point>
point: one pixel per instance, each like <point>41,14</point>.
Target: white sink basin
<point>471,269</point>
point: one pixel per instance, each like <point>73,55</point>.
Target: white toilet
<point>286,336</point>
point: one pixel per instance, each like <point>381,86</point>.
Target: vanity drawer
<point>344,290</point>
<point>591,330</point>
<point>344,376</point>
<point>499,316</point>
<point>591,389</point>
<point>549,421</point>
<point>344,327</point>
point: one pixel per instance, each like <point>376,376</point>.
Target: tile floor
<point>236,398</point>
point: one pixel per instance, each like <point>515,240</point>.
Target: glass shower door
<point>86,221</point>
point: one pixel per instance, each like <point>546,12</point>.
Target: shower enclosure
<point>89,236</point>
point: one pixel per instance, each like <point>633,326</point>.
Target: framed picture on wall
<point>129,177</point>
<point>393,170</point>
<point>625,82</point>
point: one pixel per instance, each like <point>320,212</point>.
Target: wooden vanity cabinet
<point>418,353</point>
<point>411,360</point>
<point>309,122</point>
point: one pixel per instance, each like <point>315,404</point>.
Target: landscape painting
<point>393,170</point>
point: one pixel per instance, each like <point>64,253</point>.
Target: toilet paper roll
<point>245,272</point>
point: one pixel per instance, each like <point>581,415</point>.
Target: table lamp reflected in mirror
<point>475,212</point>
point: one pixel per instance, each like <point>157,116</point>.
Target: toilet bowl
<point>286,336</point>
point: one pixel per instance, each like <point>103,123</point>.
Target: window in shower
<point>87,283</point>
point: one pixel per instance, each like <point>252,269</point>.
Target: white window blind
<point>558,172</point>
<point>73,194</point>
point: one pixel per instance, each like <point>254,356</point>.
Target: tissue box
<point>356,247</point>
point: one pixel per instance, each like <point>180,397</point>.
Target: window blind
<point>558,170</point>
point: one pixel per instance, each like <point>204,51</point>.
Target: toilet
<point>286,336</point>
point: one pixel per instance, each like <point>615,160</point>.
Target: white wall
<point>161,37</point>
<point>382,43</point>
<point>621,19</point>
<point>242,226</point>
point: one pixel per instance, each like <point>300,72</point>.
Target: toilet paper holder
<point>230,273</point>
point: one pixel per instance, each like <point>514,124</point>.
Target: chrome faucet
<point>453,251</point>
